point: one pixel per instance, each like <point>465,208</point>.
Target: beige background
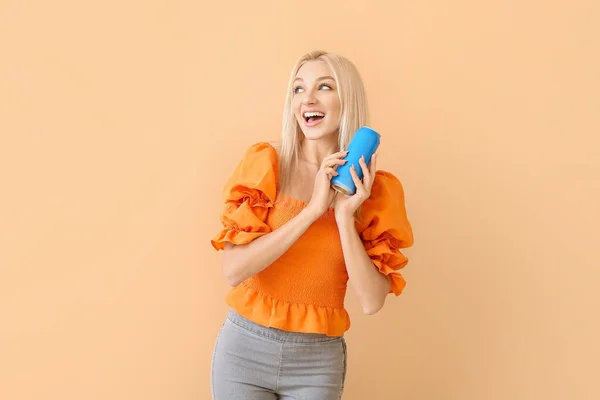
<point>120,122</point>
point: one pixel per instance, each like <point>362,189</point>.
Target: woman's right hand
<point>322,195</point>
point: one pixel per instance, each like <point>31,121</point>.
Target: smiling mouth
<point>310,117</point>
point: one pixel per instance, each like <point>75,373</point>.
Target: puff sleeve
<point>248,195</point>
<point>384,228</point>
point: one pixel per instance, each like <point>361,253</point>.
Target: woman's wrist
<point>310,213</point>
<point>344,218</point>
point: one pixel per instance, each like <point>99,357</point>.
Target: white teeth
<point>313,114</point>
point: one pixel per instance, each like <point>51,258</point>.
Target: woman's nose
<point>309,97</point>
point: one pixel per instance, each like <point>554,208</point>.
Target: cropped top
<point>304,289</point>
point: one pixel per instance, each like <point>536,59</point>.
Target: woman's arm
<point>370,285</point>
<point>245,260</point>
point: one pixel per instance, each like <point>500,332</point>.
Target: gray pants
<point>253,362</point>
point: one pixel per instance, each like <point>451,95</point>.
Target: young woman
<point>291,244</point>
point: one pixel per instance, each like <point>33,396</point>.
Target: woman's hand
<point>322,195</point>
<point>346,206</point>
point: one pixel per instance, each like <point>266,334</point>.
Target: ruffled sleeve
<point>384,228</point>
<point>248,195</point>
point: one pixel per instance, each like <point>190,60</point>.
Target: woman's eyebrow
<point>322,78</point>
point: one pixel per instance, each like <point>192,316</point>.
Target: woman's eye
<point>325,86</point>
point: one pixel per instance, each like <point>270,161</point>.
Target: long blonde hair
<point>353,109</point>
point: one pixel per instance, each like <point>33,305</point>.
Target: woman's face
<point>316,103</point>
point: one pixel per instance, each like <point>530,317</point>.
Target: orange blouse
<point>304,290</point>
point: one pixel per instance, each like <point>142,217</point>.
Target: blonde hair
<point>353,109</point>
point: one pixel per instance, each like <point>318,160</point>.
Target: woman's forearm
<point>245,260</point>
<point>370,285</point>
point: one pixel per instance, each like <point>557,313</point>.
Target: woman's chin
<point>319,133</point>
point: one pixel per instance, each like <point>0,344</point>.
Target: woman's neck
<point>314,151</point>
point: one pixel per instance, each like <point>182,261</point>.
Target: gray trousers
<point>253,362</point>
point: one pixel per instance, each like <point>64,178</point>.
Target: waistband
<point>278,334</point>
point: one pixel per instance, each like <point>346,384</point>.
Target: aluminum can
<point>364,143</point>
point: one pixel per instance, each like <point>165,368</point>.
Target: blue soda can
<point>364,143</point>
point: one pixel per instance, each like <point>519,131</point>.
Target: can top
<point>371,129</point>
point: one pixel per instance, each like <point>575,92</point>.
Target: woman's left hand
<point>345,206</point>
